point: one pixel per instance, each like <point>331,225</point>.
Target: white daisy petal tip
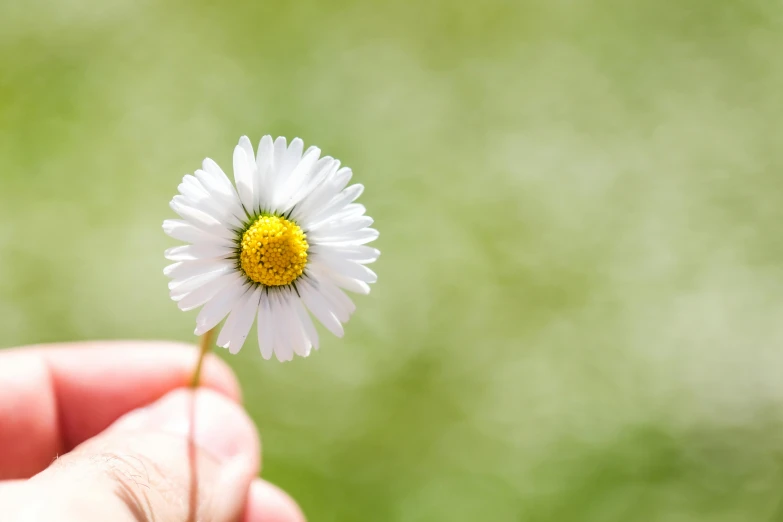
<point>280,245</point>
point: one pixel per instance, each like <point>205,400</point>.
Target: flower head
<point>280,243</point>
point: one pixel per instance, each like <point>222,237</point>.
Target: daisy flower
<point>280,243</point>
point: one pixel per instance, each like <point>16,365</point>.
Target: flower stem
<point>205,344</point>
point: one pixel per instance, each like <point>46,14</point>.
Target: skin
<point>109,431</point>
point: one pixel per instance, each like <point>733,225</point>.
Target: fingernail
<point>214,423</point>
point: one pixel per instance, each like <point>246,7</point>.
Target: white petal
<point>348,214</point>
<point>345,267</point>
<point>275,172</point>
<point>244,142</point>
<point>321,193</point>
<point>296,179</point>
<point>343,177</point>
<point>215,178</point>
<point>336,204</point>
<point>238,304</point>
<point>358,253</point>
<point>257,182</point>
<point>299,340</point>
<point>202,219</point>
<point>205,292</point>
<point>310,195</point>
<point>280,148</point>
<point>214,181</point>
<point>265,151</point>
<point>185,270</point>
<point>351,211</point>
<point>340,304</point>
<point>243,176</point>
<point>238,325</point>
<point>280,342</point>
<point>172,268</point>
<point>328,190</point>
<point>337,182</point>
<point>220,207</point>
<point>192,188</point>
<point>307,323</point>
<point>292,157</point>
<point>319,307</point>
<point>340,228</point>
<point>360,237</point>
<point>263,165</point>
<point>220,305</point>
<point>244,323</point>
<point>180,287</point>
<point>352,285</point>
<point>189,233</point>
<point>201,251</point>
<point>228,202</point>
<point>265,327</point>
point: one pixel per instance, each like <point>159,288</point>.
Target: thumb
<point>190,456</point>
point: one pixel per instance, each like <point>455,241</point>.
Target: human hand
<point>103,432</point>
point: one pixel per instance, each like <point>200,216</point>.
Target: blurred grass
<point>580,206</point>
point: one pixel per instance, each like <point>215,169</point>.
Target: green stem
<point>205,344</point>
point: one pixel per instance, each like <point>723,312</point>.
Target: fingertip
<point>214,422</point>
<point>268,503</point>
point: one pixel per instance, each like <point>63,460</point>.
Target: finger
<point>190,456</point>
<point>53,398</point>
<point>9,489</point>
<point>268,503</point>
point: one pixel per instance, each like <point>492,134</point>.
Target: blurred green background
<point>578,313</point>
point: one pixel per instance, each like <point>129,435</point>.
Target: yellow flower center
<point>273,251</point>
